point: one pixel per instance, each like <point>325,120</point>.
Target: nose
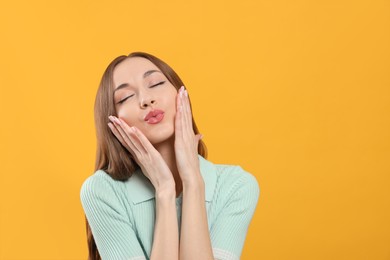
<point>147,101</point>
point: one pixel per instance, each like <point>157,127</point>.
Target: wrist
<point>196,182</point>
<point>165,195</point>
<point>166,191</point>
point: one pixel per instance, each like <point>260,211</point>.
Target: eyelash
<point>123,100</point>
<point>155,85</point>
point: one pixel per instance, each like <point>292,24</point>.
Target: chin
<point>161,136</point>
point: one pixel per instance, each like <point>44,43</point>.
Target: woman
<point>154,195</point>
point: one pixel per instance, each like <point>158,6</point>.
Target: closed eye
<point>155,85</point>
<point>123,100</point>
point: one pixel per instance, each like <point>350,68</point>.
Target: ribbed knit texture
<point>123,227</point>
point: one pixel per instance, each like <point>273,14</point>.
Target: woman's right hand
<point>147,157</point>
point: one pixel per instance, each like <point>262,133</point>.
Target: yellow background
<point>296,92</point>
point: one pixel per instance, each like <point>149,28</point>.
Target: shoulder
<point>98,179</point>
<point>235,195</point>
<point>100,184</point>
<point>235,178</point>
<point>229,183</point>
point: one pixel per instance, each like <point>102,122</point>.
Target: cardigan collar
<point>141,189</point>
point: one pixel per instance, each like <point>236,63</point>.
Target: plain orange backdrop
<point>296,92</point>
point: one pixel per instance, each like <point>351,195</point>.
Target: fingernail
<point>201,136</point>
<point>186,93</point>
<point>109,125</point>
<point>117,120</point>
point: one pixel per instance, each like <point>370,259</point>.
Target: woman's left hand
<point>186,142</point>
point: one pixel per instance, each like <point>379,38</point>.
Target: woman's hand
<point>147,157</point>
<point>186,142</point>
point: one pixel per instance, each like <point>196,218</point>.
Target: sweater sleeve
<point>229,231</point>
<point>113,233</point>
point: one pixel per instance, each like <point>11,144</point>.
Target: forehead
<point>131,70</point>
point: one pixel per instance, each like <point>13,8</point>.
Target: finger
<point>127,145</point>
<point>187,112</point>
<point>182,118</point>
<point>179,116</point>
<point>130,131</point>
<point>198,137</point>
<point>143,140</point>
<point>126,137</point>
<point>132,137</point>
<point>178,98</point>
<point>116,133</point>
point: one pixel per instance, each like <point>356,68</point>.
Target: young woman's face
<point>144,98</point>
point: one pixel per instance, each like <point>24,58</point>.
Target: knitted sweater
<point>122,214</point>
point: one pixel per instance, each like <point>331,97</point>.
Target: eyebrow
<point>124,85</point>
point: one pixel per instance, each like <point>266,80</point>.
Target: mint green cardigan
<point>122,214</point>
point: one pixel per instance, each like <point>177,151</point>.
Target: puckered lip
<point>153,113</point>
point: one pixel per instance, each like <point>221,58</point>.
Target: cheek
<point>172,99</point>
<point>172,106</point>
<point>167,98</point>
<point>127,115</point>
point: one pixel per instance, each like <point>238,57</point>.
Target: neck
<point>167,151</point>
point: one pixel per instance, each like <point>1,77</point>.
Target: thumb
<point>198,137</point>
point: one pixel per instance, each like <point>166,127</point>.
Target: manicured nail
<point>186,93</point>
<point>110,125</point>
<point>117,120</point>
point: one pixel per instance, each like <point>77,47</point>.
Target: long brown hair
<point>111,156</point>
